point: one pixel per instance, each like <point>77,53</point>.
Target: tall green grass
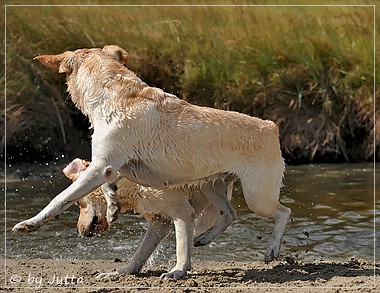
<point>310,69</point>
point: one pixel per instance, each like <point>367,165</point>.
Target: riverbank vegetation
<point>309,69</point>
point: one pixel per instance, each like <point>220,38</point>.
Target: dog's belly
<point>143,174</point>
<point>147,175</point>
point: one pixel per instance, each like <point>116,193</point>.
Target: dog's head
<point>93,207</point>
<point>70,61</point>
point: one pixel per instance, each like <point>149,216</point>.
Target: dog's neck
<point>104,88</point>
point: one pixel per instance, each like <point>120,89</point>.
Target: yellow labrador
<point>159,207</point>
<point>158,140</point>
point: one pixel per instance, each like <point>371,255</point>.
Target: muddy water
<point>333,218</point>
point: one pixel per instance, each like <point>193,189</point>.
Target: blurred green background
<point>308,68</point>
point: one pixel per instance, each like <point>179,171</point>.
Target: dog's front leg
<point>113,207</point>
<point>157,230</point>
<point>184,237</point>
<point>91,178</point>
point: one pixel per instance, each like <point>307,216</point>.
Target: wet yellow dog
<point>188,208</point>
<point>158,140</point>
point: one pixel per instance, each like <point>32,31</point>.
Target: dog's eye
<point>80,203</point>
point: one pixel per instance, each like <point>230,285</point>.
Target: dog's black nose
<point>95,221</point>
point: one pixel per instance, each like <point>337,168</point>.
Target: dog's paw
<point>107,275</point>
<point>199,242</point>
<point>176,274</point>
<point>25,226</point>
<point>273,250</point>
<point>202,240</point>
<point>271,254</point>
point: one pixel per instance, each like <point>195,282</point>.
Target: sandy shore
<point>41,275</point>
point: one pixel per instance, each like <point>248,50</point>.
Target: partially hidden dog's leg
<point>91,178</point>
<point>216,193</point>
<point>157,230</point>
<point>113,208</point>
<point>184,224</point>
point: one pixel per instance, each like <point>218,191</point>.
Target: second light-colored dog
<point>158,207</point>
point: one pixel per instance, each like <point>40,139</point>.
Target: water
<point>333,214</point>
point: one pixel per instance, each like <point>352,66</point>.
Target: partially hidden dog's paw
<point>177,274</point>
<point>269,257</point>
<point>107,275</point>
<point>202,239</point>
<point>25,226</point>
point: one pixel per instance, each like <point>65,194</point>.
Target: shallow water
<point>333,215</point>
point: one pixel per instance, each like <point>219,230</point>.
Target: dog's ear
<point>61,62</point>
<point>116,52</point>
<point>76,167</point>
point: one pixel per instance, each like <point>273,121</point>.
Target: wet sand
<point>43,275</point>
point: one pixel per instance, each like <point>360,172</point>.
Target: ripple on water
<point>352,215</point>
<point>333,221</point>
<point>355,204</point>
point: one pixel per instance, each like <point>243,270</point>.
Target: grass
<point>310,69</point>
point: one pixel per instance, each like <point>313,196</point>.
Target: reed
<point>310,69</point>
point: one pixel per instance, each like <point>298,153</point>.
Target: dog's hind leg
<point>157,230</point>
<point>91,178</point>
<point>261,191</point>
<point>281,217</point>
<point>217,193</point>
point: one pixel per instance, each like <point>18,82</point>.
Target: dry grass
<point>310,69</point>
